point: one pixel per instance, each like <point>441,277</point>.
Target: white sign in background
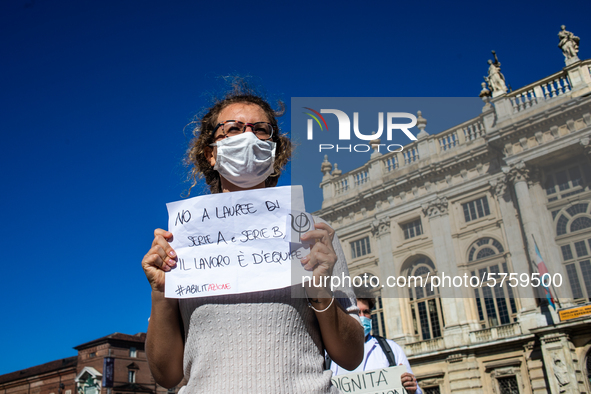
<point>230,243</point>
<point>378,381</point>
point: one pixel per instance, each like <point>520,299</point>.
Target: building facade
<point>114,364</point>
<point>475,200</point>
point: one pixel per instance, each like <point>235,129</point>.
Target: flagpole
<point>551,281</point>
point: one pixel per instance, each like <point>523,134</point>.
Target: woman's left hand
<point>322,257</point>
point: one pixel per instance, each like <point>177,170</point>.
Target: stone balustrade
<point>391,163</point>
<point>428,346</point>
<point>572,81</point>
<point>560,84</point>
<point>341,186</point>
<point>411,154</point>
<point>473,130</point>
<point>494,333</point>
<point>448,141</point>
<point>360,177</point>
<point>548,88</point>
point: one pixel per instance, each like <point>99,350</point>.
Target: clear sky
<point>95,96</point>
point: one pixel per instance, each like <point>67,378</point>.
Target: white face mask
<point>245,160</point>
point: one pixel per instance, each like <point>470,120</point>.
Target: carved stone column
<point>536,221</point>
<point>452,299</point>
<point>518,175</point>
<point>391,297</point>
<point>516,247</point>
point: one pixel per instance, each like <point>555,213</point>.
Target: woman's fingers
<point>159,259</point>
<point>162,248</point>
<point>322,232</point>
<point>319,254</point>
<point>322,251</point>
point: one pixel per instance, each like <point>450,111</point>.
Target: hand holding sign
<point>384,380</point>
<point>409,382</point>
<point>321,259</point>
<point>159,259</point>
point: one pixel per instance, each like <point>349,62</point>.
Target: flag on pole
<point>543,270</point>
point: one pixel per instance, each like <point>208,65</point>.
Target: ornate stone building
<point>471,200</point>
<point>114,364</point>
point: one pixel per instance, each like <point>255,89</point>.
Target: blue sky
<point>95,96</point>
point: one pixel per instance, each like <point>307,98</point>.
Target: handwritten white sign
<point>232,243</point>
<point>379,381</point>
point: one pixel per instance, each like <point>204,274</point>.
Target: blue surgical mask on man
<point>366,323</point>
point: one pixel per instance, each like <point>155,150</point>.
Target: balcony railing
<point>473,130</point>
<point>391,163</point>
<point>410,155</point>
<point>448,141</point>
<point>452,140</point>
<point>533,94</point>
<point>493,333</point>
<point>430,345</point>
<point>341,186</point>
<point>360,177</point>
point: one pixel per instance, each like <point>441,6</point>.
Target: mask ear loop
<point>275,174</point>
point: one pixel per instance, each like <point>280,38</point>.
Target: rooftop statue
<point>569,43</point>
<point>496,80</point>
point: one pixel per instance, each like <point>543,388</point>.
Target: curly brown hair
<point>203,138</point>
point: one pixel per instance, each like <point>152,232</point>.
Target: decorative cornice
<point>554,337</point>
<point>497,373</point>
<point>586,144</point>
<point>455,358</point>
<point>529,346</point>
<point>518,172</point>
<point>380,227</point>
<point>499,186</point>
<point>502,364</point>
<point>435,207</point>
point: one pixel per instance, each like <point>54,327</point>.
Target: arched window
<point>484,247</point>
<point>580,223</point>
<point>425,304</point>
<point>574,218</point>
<point>561,225</point>
<point>573,226</point>
<point>496,304</point>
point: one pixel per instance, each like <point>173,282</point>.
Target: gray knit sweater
<point>261,342</point>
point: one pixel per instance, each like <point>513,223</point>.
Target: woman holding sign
<point>265,341</point>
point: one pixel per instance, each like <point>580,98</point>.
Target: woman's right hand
<point>159,259</point>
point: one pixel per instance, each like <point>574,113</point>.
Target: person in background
<point>379,352</point>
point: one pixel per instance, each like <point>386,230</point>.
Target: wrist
<point>318,290</point>
<point>158,297</point>
<point>320,304</point>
